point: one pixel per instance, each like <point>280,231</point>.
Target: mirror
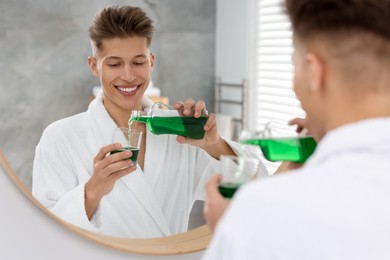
<point>45,74</point>
<point>192,241</point>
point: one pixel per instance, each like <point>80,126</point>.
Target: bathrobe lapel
<point>102,125</point>
<point>141,190</point>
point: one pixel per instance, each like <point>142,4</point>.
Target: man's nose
<point>128,74</point>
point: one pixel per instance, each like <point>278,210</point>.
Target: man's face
<point>124,66</point>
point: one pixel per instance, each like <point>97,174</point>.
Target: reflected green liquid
<point>134,150</point>
<point>285,149</point>
<point>185,126</point>
<point>227,190</point>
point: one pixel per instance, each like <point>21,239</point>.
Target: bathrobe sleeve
<point>55,167</point>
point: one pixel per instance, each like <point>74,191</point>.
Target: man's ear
<point>152,61</point>
<point>92,63</point>
<point>316,71</point>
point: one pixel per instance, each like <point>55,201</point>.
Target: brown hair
<point>309,17</point>
<point>349,27</point>
<point>119,21</point>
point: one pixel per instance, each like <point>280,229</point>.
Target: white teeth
<point>128,90</point>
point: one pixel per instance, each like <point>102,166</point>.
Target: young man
<point>337,205</point>
<point>76,178</point>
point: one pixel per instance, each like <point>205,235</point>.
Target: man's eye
<point>114,65</point>
<point>139,63</point>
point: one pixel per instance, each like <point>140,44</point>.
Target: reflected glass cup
<point>235,171</point>
<point>164,119</point>
<point>280,142</point>
<point>130,140</point>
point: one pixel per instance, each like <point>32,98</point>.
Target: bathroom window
<point>271,93</point>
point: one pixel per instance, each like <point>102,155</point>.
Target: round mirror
<point>45,77</point>
<point>192,241</point>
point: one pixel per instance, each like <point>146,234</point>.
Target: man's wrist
<point>213,145</point>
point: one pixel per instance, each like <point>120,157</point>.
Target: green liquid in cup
<point>227,190</point>
<point>285,149</point>
<point>185,126</point>
<point>134,150</point>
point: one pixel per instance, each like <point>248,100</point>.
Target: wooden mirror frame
<point>188,242</point>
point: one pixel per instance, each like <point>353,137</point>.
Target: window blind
<point>271,92</point>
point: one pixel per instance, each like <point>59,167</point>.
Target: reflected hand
<point>286,167</point>
<point>215,204</point>
<point>190,108</point>
<point>301,123</point>
<point>106,171</point>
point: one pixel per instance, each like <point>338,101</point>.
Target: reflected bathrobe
<point>152,202</point>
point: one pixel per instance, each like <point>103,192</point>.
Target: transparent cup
<point>130,140</point>
<point>235,171</point>
<point>165,119</point>
<point>280,142</point>
<point>140,116</point>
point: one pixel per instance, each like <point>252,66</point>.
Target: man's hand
<point>301,123</point>
<point>215,205</point>
<point>211,142</point>
<point>106,171</point>
<point>198,109</point>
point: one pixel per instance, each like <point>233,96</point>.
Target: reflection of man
<point>337,205</point>
<point>74,177</point>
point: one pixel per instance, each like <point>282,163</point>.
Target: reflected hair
<point>122,22</point>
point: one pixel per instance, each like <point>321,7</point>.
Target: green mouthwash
<point>285,149</point>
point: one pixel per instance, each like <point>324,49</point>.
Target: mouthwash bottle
<point>293,149</point>
<point>169,121</point>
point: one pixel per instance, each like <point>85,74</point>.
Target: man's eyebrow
<point>119,58</point>
<point>140,56</point>
<point>112,57</point>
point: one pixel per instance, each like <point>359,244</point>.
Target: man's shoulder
<point>295,184</point>
<point>66,125</point>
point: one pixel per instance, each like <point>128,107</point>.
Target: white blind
<point>271,93</point>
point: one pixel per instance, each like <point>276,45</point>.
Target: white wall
<point>232,29</point>
<point>234,53</point>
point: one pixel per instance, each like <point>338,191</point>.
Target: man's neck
<point>357,108</point>
<point>120,116</point>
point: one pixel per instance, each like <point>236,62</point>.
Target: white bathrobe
<point>335,207</point>
<point>150,203</point>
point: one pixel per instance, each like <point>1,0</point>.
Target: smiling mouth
<point>128,90</point>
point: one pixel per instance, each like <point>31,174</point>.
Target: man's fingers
<point>300,122</point>
<point>211,122</point>
<point>200,106</point>
<point>105,150</point>
<point>189,107</point>
<point>212,185</point>
<point>121,173</point>
<point>118,166</point>
<point>178,105</point>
